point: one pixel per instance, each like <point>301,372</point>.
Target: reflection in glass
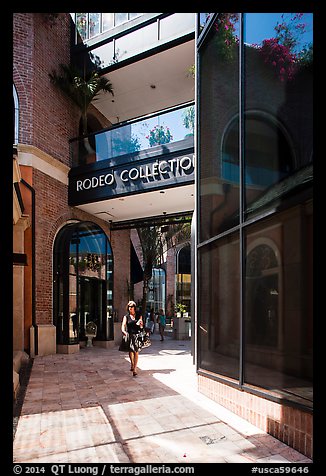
<point>91,24</point>
<point>82,25</point>
<point>219,66</point>
<point>219,338</point>
<point>120,18</point>
<point>277,169</point>
<point>183,278</point>
<point>108,21</point>
<point>175,126</point>
<point>94,24</point>
<point>73,313</point>
<point>203,19</point>
<point>278,350</point>
<point>268,155</point>
<point>156,293</point>
<point>278,82</point>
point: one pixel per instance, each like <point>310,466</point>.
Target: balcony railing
<point>154,134</point>
<point>148,31</point>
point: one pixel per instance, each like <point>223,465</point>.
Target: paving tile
<point>88,408</point>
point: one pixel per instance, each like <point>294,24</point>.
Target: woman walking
<point>132,323</point>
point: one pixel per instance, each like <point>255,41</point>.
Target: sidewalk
<point>88,408</point>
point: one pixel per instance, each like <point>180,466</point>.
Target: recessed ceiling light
<point>162,191</point>
<point>153,86</point>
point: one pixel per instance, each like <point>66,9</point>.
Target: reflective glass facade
<point>255,207</point>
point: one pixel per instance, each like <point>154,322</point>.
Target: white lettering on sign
<point>95,182</point>
<point>158,169</point>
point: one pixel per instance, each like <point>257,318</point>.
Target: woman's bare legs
<point>132,360</point>
<point>135,363</point>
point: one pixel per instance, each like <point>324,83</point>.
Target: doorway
<point>91,305</point>
<point>82,284</point>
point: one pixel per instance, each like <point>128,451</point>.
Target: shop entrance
<point>91,304</point>
<point>83,284</point>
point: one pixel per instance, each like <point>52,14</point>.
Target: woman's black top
<point>132,327</point>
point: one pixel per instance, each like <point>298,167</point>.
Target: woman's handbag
<point>143,340</point>
<point>124,345</point>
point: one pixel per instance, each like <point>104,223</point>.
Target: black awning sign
<point>131,178</point>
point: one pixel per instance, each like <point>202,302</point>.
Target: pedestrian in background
<point>161,319</point>
<point>150,322</point>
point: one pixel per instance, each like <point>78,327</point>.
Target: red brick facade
<point>47,120</point>
<point>290,425</point>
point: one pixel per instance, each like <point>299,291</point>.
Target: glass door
<point>92,305</point>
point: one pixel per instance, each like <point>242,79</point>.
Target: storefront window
<point>218,300</point>
<point>278,104</point>
<point>83,283</point>
<point>278,283</point>
<point>219,104</point>
<point>255,176</point>
<point>156,290</point>
<point>183,278</point>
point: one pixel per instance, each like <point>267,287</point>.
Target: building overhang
<point>135,187</point>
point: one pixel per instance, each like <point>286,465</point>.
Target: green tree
<point>154,243</point>
<point>82,90</point>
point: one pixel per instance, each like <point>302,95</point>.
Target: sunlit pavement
<point>88,408</point>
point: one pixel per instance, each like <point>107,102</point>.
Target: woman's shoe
<point>134,373</point>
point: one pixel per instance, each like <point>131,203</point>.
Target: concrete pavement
<point>88,408</point>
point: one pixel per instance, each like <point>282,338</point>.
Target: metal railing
<point>150,133</point>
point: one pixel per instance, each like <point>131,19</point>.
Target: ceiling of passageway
<point>134,94</point>
<point>143,205</point>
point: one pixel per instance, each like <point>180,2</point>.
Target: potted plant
<point>180,309</point>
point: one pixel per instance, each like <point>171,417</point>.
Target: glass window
<point>268,155</point>
<point>277,169</point>
<point>108,21</point>
<point>82,25</point>
<point>218,300</point>
<point>183,278</point>
<point>203,19</point>
<point>120,18</point>
<point>83,283</point>
<point>278,99</point>
<point>219,72</point>
<point>94,24</point>
<point>134,15</point>
<point>278,350</point>
<point>156,290</point>
<point>16,115</point>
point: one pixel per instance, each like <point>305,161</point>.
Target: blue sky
<point>260,26</point>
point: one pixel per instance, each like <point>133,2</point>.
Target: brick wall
<point>48,119</point>
<point>120,241</point>
<point>51,213</point>
<point>290,425</point>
